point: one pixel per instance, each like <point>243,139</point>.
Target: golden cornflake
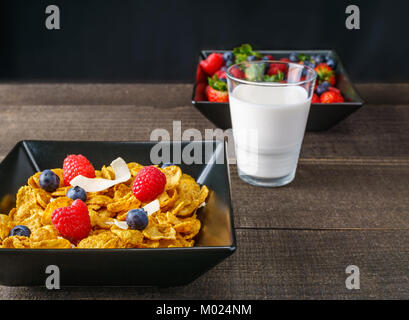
<point>16,242</point>
<point>175,224</point>
<point>103,240</point>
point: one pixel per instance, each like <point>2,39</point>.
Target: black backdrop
<point>124,40</point>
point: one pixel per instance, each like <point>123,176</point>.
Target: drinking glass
<point>269,106</point>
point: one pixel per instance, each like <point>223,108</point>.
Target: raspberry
<point>75,165</point>
<point>72,222</point>
<point>148,184</point>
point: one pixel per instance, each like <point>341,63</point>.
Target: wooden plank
<point>153,94</point>
<point>324,194</point>
<point>384,93</point>
<point>373,132</point>
<point>162,95</point>
<point>327,196</point>
<point>279,264</point>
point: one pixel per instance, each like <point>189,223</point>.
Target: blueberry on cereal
<point>167,164</point>
<point>20,230</point>
<point>49,181</point>
<point>77,192</point>
<point>137,219</point>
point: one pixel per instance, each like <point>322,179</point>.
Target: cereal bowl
<point>121,266</point>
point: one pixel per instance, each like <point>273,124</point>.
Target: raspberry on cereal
<point>72,222</point>
<point>75,165</point>
<point>148,184</point>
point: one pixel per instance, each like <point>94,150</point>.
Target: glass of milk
<point>269,106</point>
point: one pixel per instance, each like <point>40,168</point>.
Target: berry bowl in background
<point>322,116</point>
<point>120,267</point>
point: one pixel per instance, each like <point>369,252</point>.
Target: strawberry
<point>217,90</point>
<point>325,73</point>
<point>75,165</point>
<point>315,98</point>
<point>212,63</point>
<point>221,74</point>
<point>214,95</point>
<point>334,90</point>
<point>275,67</point>
<point>331,97</point>
<point>237,73</point>
<point>285,60</point>
<point>200,94</point>
<point>200,75</point>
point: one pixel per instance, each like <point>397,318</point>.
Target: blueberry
<point>137,219</point>
<point>330,62</point>
<point>228,55</point>
<point>293,57</point>
<point>319,58</point>
<point>321,89</point>
<point>251,58</point>
<point>224,80</point>
<point>49,181</point>
<point>310,63</point>
<point>326,84</point>
<point>20,231</point>
<point>77,192</point>
<point>267,57</point>
<point>167,164</point>
<point>223,68</point>
<point>229,63</point>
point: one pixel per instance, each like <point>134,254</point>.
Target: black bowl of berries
<point>334,99</point>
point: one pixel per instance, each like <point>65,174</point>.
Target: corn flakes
<point>16,242</point>
<point>57,203</point>
<point>175,224</point>
<point>51,244</point>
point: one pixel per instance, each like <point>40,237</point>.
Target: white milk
<point>268,126</point>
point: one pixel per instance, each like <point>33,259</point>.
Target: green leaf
<point>254,72</point>
<point>275,77</point>
<point>217,84</point>
<point>245,50</point>
<point>303,57</point>
<point>240,57</point>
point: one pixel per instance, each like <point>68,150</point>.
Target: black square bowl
<point>121,267</point>
<point>322,116</point>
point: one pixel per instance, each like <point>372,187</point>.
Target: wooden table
<point>349,203</point>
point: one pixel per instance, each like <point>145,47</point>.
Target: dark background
<point>153,41</point>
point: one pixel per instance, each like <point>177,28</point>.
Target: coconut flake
<point>152,207</point>
<point>121,171</point>
<point>120,224</point>
<point>202,205</point>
